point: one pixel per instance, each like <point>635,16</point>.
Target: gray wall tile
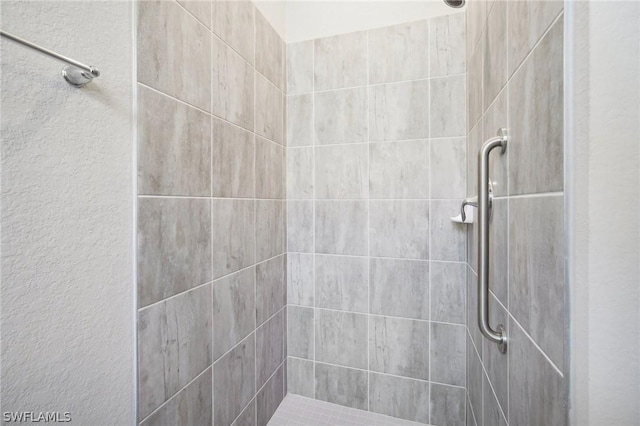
<point>270,288</point>
<point>474,86</point>
<point>300,379</point>
<point>300,324</point>
<point>174,246</point>
<point>233,171</point>
<point>399,397</point>
<point>300,173</point>
<point>491,409</point>
<point>300,226</point>
<point>342,171</point>
<point>399,169</point>
<point>447,45</point>
<point>174,346</point>
<point>232,85</point>
<point>399,52</point>
<point>448,353</point>
<point>341,227</point>
<point>340,116</point>
<point>495,52</point>
<point>300,279</point>
<point>342,283</point>
<point>270,232</point>
<point>269,51</point>
<point>234,307</point>
<point>499,246</point>
<point>472,309</point>
<point>447,168</point>
<point>447,237</point>
<point>397,287</point>
<point>300,67</point>
<point>474,382</point>
<point>399,346</point>
<point>269,110</point>
<point>233,22</point>
<point>447,405</point>
<point>190,406</point>
<point>269,347</point>
<point>341,338</point>
<point>341,385</point>
<point>536,90</point>
<point>448,109</point>
<point>399,229</point>
<point>164,62</point>
<point>476,19</point>
<point>235,381</point>
<point>269,169</point>
<point>269,397</point>
<point>300,120</point>
<point>536,256</point>
<point>448,283</point>
<point>496,363</point>
<point>248,415</point>
<point>494,119</point>
<point>234,234</point>
<point>174,146</point>
<point>341,61</point>
<point>200,9</point>
<point>399,111</point>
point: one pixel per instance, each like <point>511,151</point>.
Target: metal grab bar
<point>77,74</point>
<point>499,336</point>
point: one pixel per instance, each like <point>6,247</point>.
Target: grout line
<point>313,208</point>
<point>368,318</point>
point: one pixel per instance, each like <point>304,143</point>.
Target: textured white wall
<point>67,290</point>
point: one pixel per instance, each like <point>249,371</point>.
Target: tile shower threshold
<point>296,410</point>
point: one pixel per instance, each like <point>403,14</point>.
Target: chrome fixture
<point>456,4</point>
<point>498,336</point>
<point>76,73</point>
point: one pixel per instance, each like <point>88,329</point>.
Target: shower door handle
<point>498,336</point>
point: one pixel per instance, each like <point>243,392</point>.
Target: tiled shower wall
<point>211,221</point>
<point>376,165</point>
<point>515,80</point>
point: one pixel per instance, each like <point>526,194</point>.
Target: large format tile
<point>474,382</point>
<point>234,235</point>
<point>248,416</point>
<point>341,171</point>
<point>448,291</point>
<point>340,116</point>
<point>270,288</point>
<point>448,168</point>
<point>341,338</point>
<point>233,22</point>
<point>495,362</point>
<point>476,19</point>
<point>201,9</point>
<point>472,309</point>
<point>232,85</point>
<point>341,61</point>
<point>447,45</point>
<point>269,347</point>
<point>536,270</point>
<point>300,226</point>
<point>269,110</point>
<point>235,381</point>
<point>300,120</point>
<point>190,406</point>
<point>269,51</point>
<point>341,227</point>
<point>399,288</point>
<point>495,53</point>
<point>399,397</point>
<point>174,146</point>
<point>342,283</point>
<point>399,169</point>
<point>174,246</point>
<point>499,249</point>
<point>300,279</point>
<point>399,111</point>
<point>300,67</point>
<point>447,405</point>
<point>300,173</point>
<point>234,307</point>
<point>399,229</point>
<point>536,390</point>
<point>341,385</point>
<point>269,169</point>
<point>399,346</point>
<point>270,229</point>
<point>536,119</point>
<point>399,52</point>
<point>448,108</point>
<point>474,85</point>
<point>174,346</point>
<point>448,353</point>
<point>495,118</point>
<point>491,410</point>
<point>269,397</point>
<point>300,380</point>
<point>528,20</point>
<point>233,161</point>
<point>447,237</point>
<point>300,325</point>
<point>164,61</point>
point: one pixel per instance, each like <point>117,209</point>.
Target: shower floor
<point>298,410</point>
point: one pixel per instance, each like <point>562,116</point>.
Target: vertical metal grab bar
<point>499,336</point>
